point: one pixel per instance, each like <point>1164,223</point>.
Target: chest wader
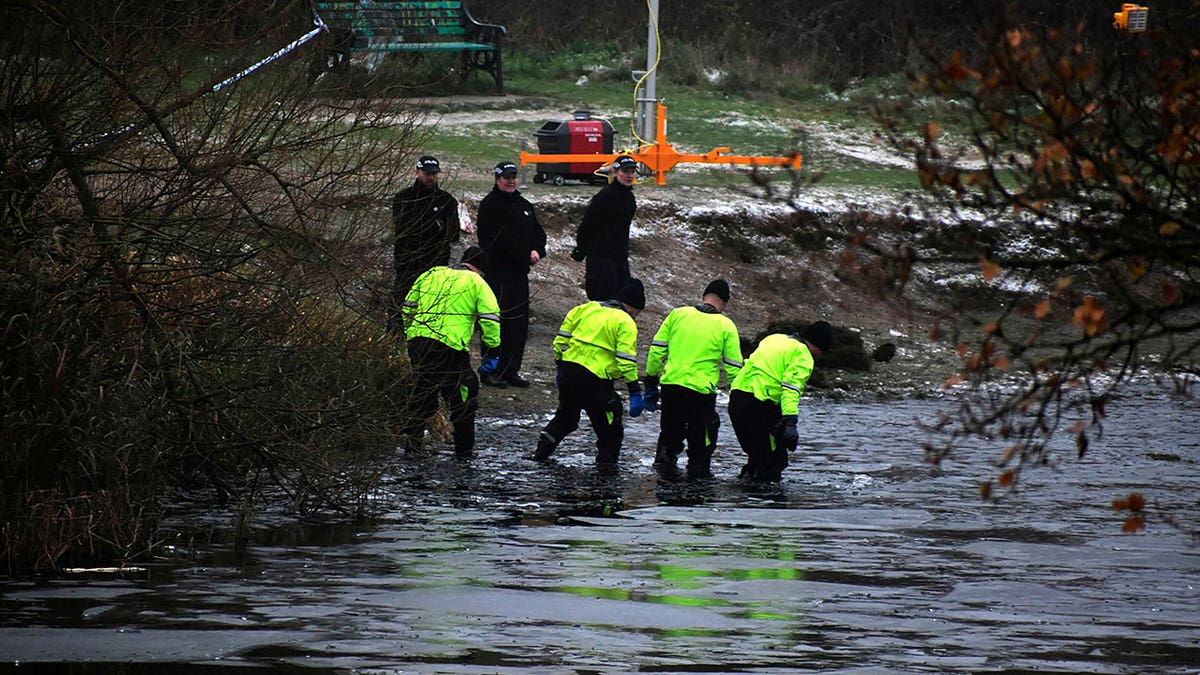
<point>582,391</point>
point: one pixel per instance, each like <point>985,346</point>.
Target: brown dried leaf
<point>1136,502</point>
<point>991,270</point>
<point>1134,524</point>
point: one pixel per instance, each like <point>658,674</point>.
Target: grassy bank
<point>833,130</point>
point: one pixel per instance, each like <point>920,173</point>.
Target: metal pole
<point>649,125</point>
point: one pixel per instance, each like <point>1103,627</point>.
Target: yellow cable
<point>633,121</point>
<point>638,85</point>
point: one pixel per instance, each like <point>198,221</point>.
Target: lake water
<point>864,560</point>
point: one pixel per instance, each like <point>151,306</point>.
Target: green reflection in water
<point>683,576</point>
<point>767,616</point>
<point>690,632</point>
<point>782,573</point>
<point>638,596</point>
<point>691,578</point>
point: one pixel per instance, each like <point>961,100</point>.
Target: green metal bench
<point>410,26</point>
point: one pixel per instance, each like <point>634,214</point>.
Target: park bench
<point>410,26</point>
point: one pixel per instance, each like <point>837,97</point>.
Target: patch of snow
<point>466,221</point>
<point>742,120</point>
<point>1012,285</point>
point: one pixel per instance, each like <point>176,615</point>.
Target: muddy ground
<point>678,248</point>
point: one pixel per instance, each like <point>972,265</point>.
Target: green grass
<point>701,118</point>
<point>886,179</point>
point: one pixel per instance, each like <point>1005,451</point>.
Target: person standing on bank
<point>425,226</point>
<point>512,237</point>
<point>439,315</point>
<point>596,346</point>
<point>603,236</point>
<point>690,348</point>
<point>765,398</point>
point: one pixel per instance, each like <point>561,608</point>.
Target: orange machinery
<point>661,156</point>
<point>1131,18</point>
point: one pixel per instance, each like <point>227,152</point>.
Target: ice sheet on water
<point>824,519</point>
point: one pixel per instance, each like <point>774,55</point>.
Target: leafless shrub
<point>191,281</point>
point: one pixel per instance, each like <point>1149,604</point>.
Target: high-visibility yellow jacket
<point>602,337</point>
<point>690,347</point>
<point>777,371</point>
<point>444,304</point>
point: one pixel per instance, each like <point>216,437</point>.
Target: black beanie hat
<point>475,256</point>
<point>633,293</point>
<point>820,334</point>
<point>719,288</point>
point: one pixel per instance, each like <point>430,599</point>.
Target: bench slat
<point>425,46</point>
<point>410,26</point>
<point>426,4</point>
<point>428,7</point>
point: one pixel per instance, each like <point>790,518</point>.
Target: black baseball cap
<point>505,169</point>
<point>625,162</point>
<point>429,164</point>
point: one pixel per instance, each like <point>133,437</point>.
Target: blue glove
<point>490,365</point>
<point>558,374</point>
<point>788,437</point>
<point>636,404</point>
<point>651,397</point>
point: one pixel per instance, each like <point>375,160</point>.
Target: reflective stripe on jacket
<point>602,337</point>
<point>690,347</point>
<point>777,371</point>
<point>444,304</point>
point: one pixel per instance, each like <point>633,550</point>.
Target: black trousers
<point>512,294</point>
<point>757,424</point>
<point>445,373</point>
<point>582,391</point>
<point>605,277</point>
<point>688,416</point>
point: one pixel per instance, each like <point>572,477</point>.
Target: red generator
<point>582,135</point>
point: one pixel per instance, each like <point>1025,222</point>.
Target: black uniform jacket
<point>604,232</point>
<point>508,230</point>
<point>426,225</point>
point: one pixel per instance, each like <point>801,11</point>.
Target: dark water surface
<point>864,560</point>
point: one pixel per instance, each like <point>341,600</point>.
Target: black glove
<point>577,255</point>
<point>788,436</point>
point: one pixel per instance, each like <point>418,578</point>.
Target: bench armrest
<point>482,32</point>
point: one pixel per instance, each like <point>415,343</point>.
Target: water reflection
<point>863,558</point>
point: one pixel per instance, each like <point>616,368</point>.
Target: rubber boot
<point>666,463</point>
<point>699,468</point>
<point>545,447</point>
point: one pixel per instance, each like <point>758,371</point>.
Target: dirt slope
<point>683,238</point>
